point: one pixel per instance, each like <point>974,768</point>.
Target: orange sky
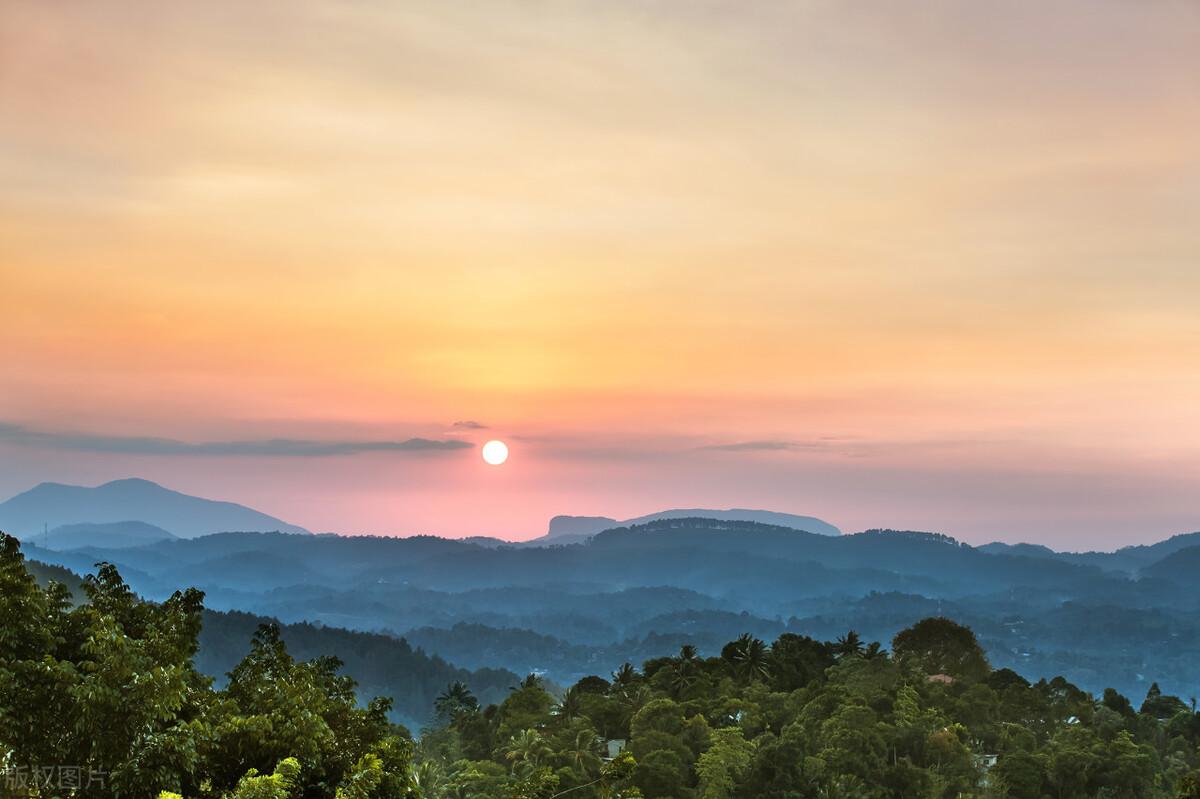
<point>929,265</point>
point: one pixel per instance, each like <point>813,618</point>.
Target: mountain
<point>575,526</point>
<point>1130,560</point>
<point>55,504</point>
<point>113,535</point>
<point>642,591</point>
<point>1023,550</point>
<point>570,529</point>
<point>1182,565</point>
<point>1136,557</point>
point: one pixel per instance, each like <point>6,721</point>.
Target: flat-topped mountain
<point>54,505</point>
<point>567,528</point>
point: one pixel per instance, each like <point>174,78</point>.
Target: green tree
<point>527,751</point>
<point>455,700</point>
<point>747,658</point>
<point>109,685</point>
<point>721,767</point>
<point>525,708</point>
<point>941,646</point>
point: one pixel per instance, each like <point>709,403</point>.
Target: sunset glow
<point>930,270</point>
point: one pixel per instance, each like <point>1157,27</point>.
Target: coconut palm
<point>570,706</point>
<point>583,751</point>
<point>455,700</point>
<point>624,678</point>
<point>749,658</point>
<point>849,645</point>
<point>684,670</point>
<point>429,779</point>
<point>531,680</point>
<point>526,751</point>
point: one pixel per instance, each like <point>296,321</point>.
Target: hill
<point>1182,566</point>
<point>113,535</point>
<point>382,665</point>
<point>55,505</point>
<point>647,589</point>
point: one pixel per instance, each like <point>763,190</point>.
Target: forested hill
<point>697,556</point>
<point>381,665</point>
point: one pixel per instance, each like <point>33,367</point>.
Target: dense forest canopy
<point>109,687</point>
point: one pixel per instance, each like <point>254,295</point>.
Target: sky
<point>929,265</point>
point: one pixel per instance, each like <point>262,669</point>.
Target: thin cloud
<point>470,425</point>
<point>273,447</point>
<point>762,446</point>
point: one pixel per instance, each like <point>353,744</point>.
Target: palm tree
<point>455,700</point>
<point>429,777</point>
<point>749,656</point>
<point>683,670</point>
<point>624,678</point>
<point>849,645</point>
<point>570,706</point>
<point>634,700</point>
<point>531,681</point>
<point>584,751</point>
<point>527,749</point>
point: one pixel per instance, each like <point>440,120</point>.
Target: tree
<point>624,678</point>
<point>1160,706</point>
<point>109,686</point>
<point>525,708</point>
<point>526,751</point>
<point>723,765</point>
<point>581,748</point>
<point>455,700</point>
<point>570,705</point>
<point>1189,786</point>
<point>747,658</point>
<point>1021,774</point>
<point>662,773</point>
<point>796,660</point>
<point>660,715</point>
<point>278,785</point>
<point>941,646</point>
<point>849,645</point>
<point>539,784</point>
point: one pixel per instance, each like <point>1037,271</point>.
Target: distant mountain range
<point>1131,559</point>
<point>1101,619</point>
<point>110,510</point>
<point>134,512</point>
<point>595,590</point>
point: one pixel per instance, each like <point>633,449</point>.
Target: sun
<point>495,452</point>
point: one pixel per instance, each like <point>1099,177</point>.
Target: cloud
<point>763,446</point>
<point>470,425</point>
<point>272,447</point>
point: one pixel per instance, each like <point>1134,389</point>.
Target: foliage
<point>108,686</point>
<point>804,719</point>
<point>796,718</point>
